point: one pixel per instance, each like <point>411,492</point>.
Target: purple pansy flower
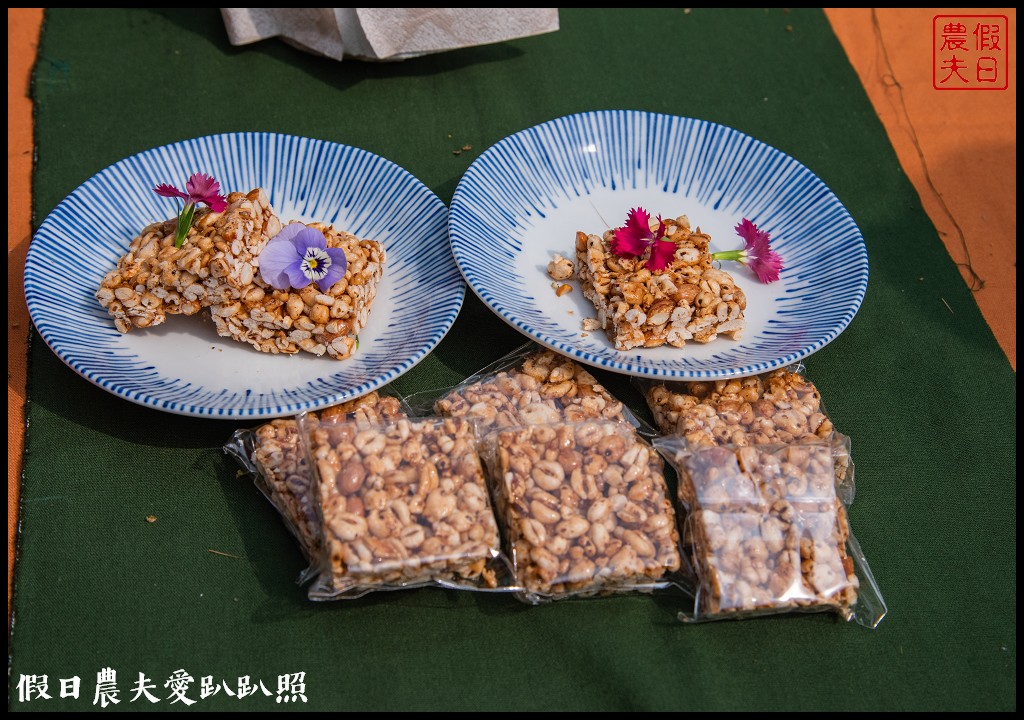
<point>200,188</point>
<point>298,256</point>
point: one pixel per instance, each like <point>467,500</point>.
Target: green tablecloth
<point>923,389</point>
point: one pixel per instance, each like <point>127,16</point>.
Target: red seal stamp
<point>970,52</point>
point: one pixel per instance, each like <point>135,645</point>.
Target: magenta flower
<point>757,255</point>
<point>298,256</point>
<point>200,188</point>
<point>636,238</point>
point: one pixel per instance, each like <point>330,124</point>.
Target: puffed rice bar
<point>217,263</point>
<point>690,299</point>
<point>314,320</point>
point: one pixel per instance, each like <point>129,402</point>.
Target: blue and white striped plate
<point>524,199</point>
<point>182,366</point>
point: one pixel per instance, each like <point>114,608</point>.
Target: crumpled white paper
<point>385,33</point>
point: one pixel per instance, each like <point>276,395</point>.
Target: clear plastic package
<point>402,505</point>
<point>778,407</point>
<point>531,386</point>
<point>273,453</point>
<point>766,532</point>
<point>585,508</point>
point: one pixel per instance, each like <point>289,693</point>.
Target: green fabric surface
<point>924,391</point>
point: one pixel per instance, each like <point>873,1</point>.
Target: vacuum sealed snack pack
<point>777,407</point>
<point>766,532</point>
<point>530,386</point>
<point>585,508</point>
<point>401,504</point>
<point>274,455</point>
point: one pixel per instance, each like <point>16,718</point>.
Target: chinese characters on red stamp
<point>970,52</point>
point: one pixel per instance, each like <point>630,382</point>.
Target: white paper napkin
<point>385,33</point>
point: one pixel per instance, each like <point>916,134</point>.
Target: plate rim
<point>178,407</point>
<point>857,263</point>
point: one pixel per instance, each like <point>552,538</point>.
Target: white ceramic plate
<point>183,366</point>
<point>525,197</point>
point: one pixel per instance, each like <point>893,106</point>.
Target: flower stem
<point>184,223</point>
<point>735,255</point>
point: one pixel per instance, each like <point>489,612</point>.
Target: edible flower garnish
<point>765,262</point>
<point>299,255</point>
<point>636,238</point>
<point>200,188</point>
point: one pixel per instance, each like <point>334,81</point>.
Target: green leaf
<point>184,223</point>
